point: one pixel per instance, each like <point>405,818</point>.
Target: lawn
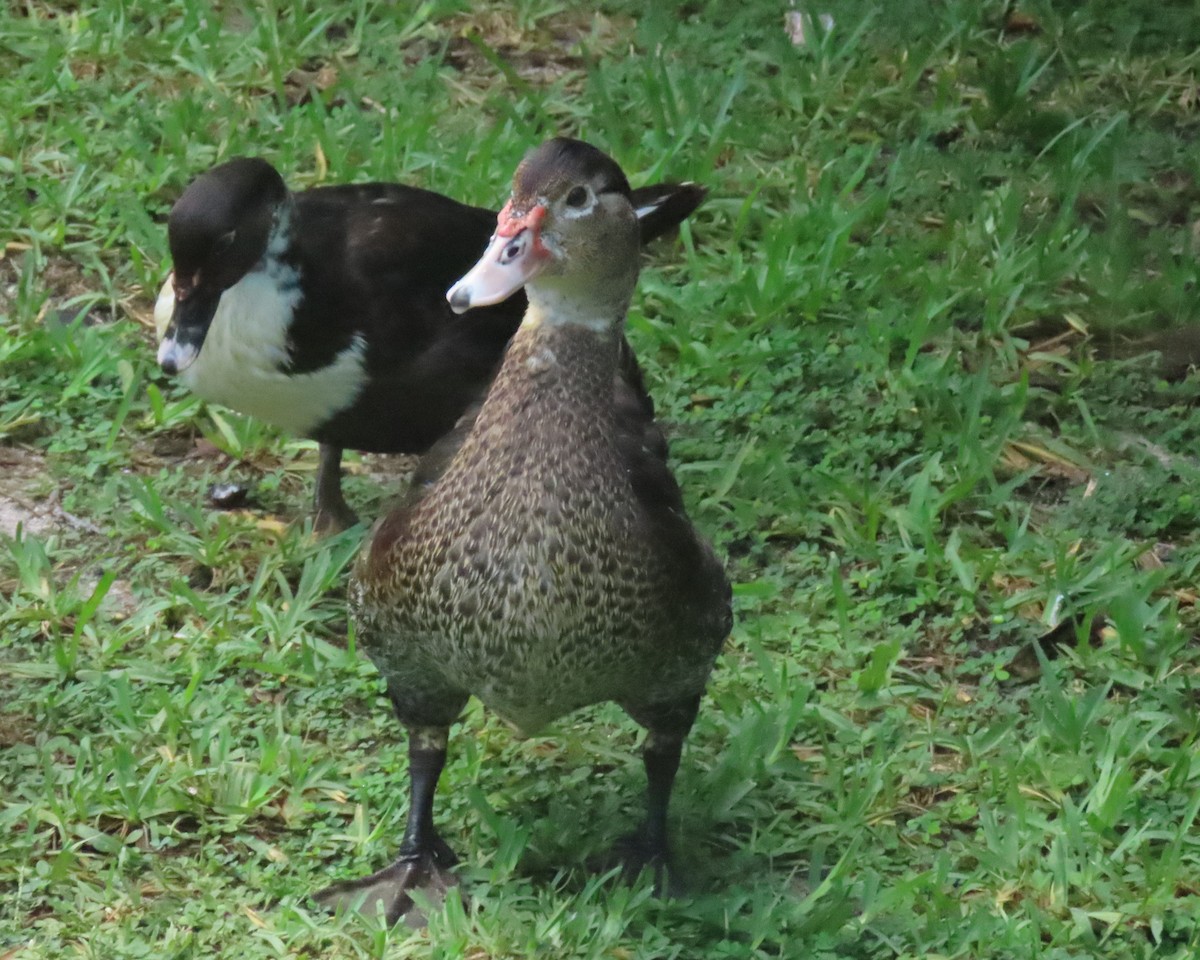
<point>925,357</point>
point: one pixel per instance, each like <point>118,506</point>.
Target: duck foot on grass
<point>636,854</point>
<point>648,848</point>
<point>427,872</point>
<point>425,859</point>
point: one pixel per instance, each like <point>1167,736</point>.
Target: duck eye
<point>577,197</point>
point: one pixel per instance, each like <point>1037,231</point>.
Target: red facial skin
<point>509,224</point>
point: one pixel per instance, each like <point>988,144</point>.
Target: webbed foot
<point>635,854</point>
<point>428,871</point>
<point>647,848</point>
<point>331,518</point>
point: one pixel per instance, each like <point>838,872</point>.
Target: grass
<point>907,357</point>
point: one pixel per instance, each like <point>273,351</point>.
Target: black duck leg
<point>649,848</point>
<point>425,860</point>
<point>331,512</point>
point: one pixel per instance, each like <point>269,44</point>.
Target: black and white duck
<point>323,312</point>
<point>543,560</point>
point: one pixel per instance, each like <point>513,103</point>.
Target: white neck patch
<point>243,363</point>
<point>552,305</point>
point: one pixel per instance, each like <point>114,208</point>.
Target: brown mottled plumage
<point>544,560</point>
<point>531,574</point>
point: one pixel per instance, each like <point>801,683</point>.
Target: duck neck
<point>279,238</point>
<point>556,376</point>
<point>562,306</point>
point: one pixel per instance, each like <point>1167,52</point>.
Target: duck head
<point>218,231</point>
<point>569,231</point>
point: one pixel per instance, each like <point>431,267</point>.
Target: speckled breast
<point>525,576</point>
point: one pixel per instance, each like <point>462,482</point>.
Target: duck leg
<point>424,861</point>
<point>649,846</point>
<point>331,512</point>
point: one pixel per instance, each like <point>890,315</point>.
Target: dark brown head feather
<point>563,159</point>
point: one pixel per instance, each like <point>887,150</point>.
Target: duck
<point>542,560</point>
<point>322,312</point>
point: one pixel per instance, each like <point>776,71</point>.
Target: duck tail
<point>661,207</point>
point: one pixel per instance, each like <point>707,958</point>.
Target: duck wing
<point>379,259</point>
<point>697,587</point>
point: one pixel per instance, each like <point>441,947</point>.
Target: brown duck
<point>543,560</point>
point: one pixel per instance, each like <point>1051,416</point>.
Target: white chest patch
<point>243,363</point>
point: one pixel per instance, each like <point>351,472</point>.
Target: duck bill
<point>514,256</point>
<point>186,330</point>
